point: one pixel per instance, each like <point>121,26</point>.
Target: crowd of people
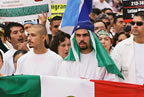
<point>103,48</point>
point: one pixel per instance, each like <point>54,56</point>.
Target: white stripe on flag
<point>64,87</point>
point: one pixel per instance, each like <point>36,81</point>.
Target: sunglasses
<point>137,23</point>
<point>56,26</point>
<point>107,23</point>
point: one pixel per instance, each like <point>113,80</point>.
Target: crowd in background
<point>17,39</point>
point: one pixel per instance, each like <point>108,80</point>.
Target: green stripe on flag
<point>20,86</point>
<point>24,11</point>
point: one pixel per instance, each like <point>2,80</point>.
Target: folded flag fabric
<point>20,86</point>
<point>76,10</point>
<point>50,86</point>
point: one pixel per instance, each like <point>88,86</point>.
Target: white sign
<point>20,10</point>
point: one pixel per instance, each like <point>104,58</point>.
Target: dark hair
<point>1,55</point>
<point>102,22</point>
<point>111,14</point>
<point>18,52</point>
<point>121,8</point>
<point>116,17</point>
<point>60,37</point>
<point>140,13</point>
<point>96,11</point>
<point>55,19</point>
<point>9,26</point>
<point>103,16</point>
<point>103,10</point>
<point>117,36</point>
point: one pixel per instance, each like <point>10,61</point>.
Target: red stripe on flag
<point>117,89</point>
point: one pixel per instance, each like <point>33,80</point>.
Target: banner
<point>20,10</point>
<point>45,86</point>
<point>130,7</point>
<point>50,86</point>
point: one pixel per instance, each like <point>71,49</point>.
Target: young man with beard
<point>40,60</point>
<point>16,36</point>
<point>87,56</point>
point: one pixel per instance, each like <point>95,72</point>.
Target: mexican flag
<point>50,86</point>
<point>45,86</point>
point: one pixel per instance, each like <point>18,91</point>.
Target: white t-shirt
<point>98,4</point>
<point>139,59</point>
<point>39,64</point>
<point>86,68</point>
<point>8,66</point>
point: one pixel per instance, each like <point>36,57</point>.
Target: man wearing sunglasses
<point>129,54</point>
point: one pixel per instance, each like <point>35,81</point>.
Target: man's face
<point>35,40</point>
<point>54,27</point>
<point>27,26</point>
<point>138,30</point>
<point>119,25</point>
<point>82,38</point>
<point>108,23</point>
<point>111,19</point>
<point>17,35</point>
<point>99,26</point>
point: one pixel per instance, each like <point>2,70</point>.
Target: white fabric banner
<point>20,10</point>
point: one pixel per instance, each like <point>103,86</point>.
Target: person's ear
<point>8,39</point>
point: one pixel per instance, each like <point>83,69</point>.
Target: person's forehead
<point>33,30</point>
<point>103,36</point>
<point>16,28</point>
<point>56,22</point>
<point>28,25</point>
<point>137,18</point>
<point>81,31</point>
<point>120,19</point>
<point>97,24</point>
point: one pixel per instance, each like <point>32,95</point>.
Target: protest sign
<point>57,10</point>
<point>130,7</point>
<point>20,10</point>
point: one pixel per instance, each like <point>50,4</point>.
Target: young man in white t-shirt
<point>40,60</point>
<point>129,54</point>
<point>15,35</point>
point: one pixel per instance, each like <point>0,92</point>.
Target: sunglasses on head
<point>137,23</point>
